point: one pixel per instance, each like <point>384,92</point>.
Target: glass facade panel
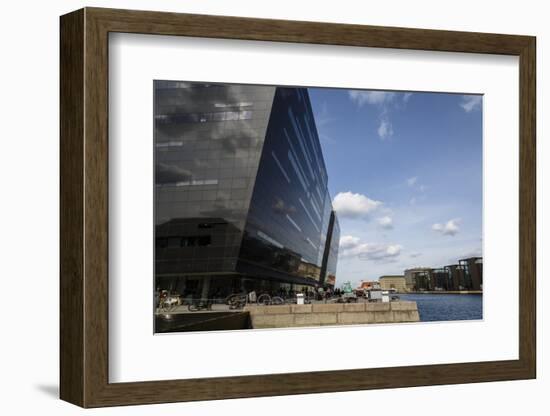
<point>285,204</point>
<point>207,149</point>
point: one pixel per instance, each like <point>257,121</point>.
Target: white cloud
<point>348,204</point>
<point>471,102</point>
<point>370,97</point>
<point>351,246</point>
<point>385,101</point>
<point>451,227</point>
<point>386,222</point>
<point>385,129</point>
<point>415,254</point>
<point>348,241</point>
<point>323,117</point>
<point>412,181</point>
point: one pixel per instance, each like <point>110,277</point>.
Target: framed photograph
<point>256,207</point>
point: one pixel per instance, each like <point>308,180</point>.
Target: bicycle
<point>238,302</point>
<point>234,297</point>
<point>266,299</point>
<point>200,305</point>
<point>169,303</point>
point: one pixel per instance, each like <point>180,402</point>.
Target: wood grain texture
<point>84,207</point>
<point>527,208</point>
<point>71,184</point>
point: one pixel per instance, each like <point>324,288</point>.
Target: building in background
<point>454,276</point>
<point>440,279</point>
<point>241,197</point>
<point>417,278</point>
<point>396,282</point>
<point>467,275</point>
<point>472,270</point>
<point>369,285</point>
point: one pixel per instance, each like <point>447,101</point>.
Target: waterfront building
<point>418,278</point>
<point>454,274</point>
<point>466,275</point>
<point>241,197</point>
<point>368,285</point>
<point>472,270</point>
<point>440,279</point>
<point>393,282</point>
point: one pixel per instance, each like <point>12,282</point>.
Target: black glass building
<point>241,198</point>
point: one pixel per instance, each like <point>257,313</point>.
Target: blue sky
<point>405,175</point>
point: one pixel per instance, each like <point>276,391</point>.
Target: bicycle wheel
<point>276,300</point>
<point>264,299</point>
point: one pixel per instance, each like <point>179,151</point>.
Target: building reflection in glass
<point>241,198</point>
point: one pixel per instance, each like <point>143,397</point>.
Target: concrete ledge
<point>406,316</point>
<point>284,316</point>
<point>276,309</point>
<point>301,308</point>
<point>327,307</point>
<point>254,310</point>
<point>272,321</point>
<point>354,307</point>
<point>315,319</point>
<point>377,306</point>
<point>351,318</point>
<point>403,306</point>
<point>383,317</point>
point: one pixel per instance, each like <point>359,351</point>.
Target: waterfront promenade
<point>254,316</point>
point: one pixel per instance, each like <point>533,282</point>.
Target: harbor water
<point>447,307</point>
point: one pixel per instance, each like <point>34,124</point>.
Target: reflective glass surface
<point>329,270</point>
<point>241,199</point>
<point>290,209</point>
<point>208,140</point>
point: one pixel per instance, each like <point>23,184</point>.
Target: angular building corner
<point>241,196</point>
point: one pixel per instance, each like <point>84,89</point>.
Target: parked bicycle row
<point>168,301</point>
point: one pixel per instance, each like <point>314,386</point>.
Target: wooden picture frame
<point>84,207</point>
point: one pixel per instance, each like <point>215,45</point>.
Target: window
<point>297,170</point>
<point>293,151</point>
<point>293,223</point>
<point>267,238</point>
<point>300,136</point>
<point>280,167</point>
<point>312,244</point>
<point>189,241</point>
<point>169,144</point>
<point>189,183</point>
<point>203,117</point>
<point>223,105</point>
<point>308,214</point>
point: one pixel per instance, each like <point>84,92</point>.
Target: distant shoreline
<point>444,292</point>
